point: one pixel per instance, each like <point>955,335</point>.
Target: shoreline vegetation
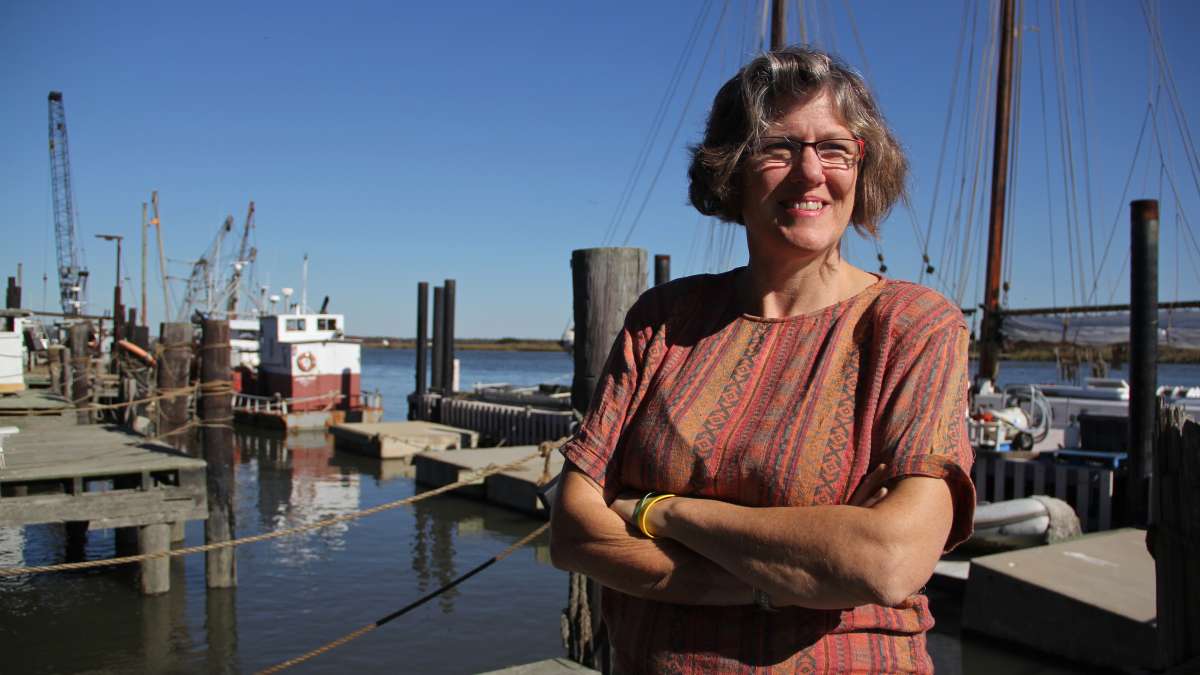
<point>1022,351</point>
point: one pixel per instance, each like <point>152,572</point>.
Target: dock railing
<point>1088,489</point>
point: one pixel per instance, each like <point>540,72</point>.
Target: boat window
<point>326,324</point>
<point>295,324</point>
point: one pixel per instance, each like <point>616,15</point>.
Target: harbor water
<point>297,593</point>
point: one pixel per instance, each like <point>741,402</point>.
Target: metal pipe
<point>1143,356</point>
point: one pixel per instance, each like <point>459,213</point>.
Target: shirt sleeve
<point>923,426</point>
<point>594,447</point>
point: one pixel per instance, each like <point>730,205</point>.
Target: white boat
<point>309,375</point>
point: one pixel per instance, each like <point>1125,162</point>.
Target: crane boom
<point>72,275</point>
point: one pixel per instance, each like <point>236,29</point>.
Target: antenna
<point>304,287</point>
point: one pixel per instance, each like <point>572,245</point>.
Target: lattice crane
<point>72,274</point>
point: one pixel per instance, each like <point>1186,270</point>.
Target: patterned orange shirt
<point>700,400</point>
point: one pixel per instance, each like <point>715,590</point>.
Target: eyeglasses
<point>836,153</point>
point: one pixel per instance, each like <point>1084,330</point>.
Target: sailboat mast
<point>989,343</point>
<point>778,24</point>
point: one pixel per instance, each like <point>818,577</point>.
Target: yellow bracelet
<point>648,502</point>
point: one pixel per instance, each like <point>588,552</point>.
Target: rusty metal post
<point>1143,357</point>
<point>216,414</point>
<point>662,269</point>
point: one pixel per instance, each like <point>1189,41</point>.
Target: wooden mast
<point>778,24</point>
<point>989,343</point>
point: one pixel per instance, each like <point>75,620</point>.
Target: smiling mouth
<point>802,205</point>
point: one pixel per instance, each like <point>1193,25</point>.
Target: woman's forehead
<point>815,111</point>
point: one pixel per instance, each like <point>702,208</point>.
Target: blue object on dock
<point>1111,460</point>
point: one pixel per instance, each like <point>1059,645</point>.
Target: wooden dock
<point>516,489</point>
<point>396,440</point>
<point>93,477</point>
<point>1091,599</point>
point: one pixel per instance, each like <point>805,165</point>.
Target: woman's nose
<point>807,167</point>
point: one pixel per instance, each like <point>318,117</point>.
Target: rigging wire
<point>682,117</point>
<point>953,223</point>
<point>1081,83</point>
<point>1168,77</point>
<point>1068,173</point>
<point>656,124</point>
<point>937,182</point>
<point>1010,231</point>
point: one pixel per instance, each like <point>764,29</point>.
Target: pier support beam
<point>81,385</point>
<point>606,282</point>
<point>1143,357</point>
<point>176,347</point>
<point>216,413</point>
<point>156,573</point>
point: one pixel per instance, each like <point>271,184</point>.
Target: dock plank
<point>56,449</point>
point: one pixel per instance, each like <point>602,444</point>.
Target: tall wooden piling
<point>174,363</point>
<point>606,282</point>
<point>1174,538</point>
<point>662,269</point>
<point>1143,357</point>
<point>216,414</point>
<point>422,320</point>
<point>436,361</point>
<point>81,385</point>
<point>448,293</point>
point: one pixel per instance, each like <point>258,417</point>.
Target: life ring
<point>306,362</point>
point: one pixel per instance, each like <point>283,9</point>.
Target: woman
<point>718,488</point>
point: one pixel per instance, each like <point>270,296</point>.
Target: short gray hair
<point>758,95</point>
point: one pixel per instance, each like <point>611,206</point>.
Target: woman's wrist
<point>659,517</point>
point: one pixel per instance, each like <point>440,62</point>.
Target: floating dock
<point>515,489</point>
<point>396,440</point>
<point>1091,599</point>
<point>547,667</point>
<point>93,477</point>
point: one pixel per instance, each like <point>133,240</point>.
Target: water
<point>300,592</point>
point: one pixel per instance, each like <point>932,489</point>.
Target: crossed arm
<point>710,552</point>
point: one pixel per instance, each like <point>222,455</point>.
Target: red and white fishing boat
<point>308,376</point>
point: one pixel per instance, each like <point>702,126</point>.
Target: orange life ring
<point>306,362</point>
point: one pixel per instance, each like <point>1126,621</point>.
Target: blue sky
<point>483,141</point>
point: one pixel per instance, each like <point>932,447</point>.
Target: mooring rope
<point>490,470</point>
<point>407,608</point>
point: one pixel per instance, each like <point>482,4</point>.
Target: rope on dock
<point>491,469</point>
<point>407,608</point>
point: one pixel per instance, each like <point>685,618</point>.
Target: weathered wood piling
<point>1143,356</point>
<point>1174,538</point>
<point>81,385</point>
<point>175,346</point>
<point>216,414</point>
<point>606,282</point>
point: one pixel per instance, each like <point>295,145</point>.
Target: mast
<point>989,337</point>
<point>778,24</point>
